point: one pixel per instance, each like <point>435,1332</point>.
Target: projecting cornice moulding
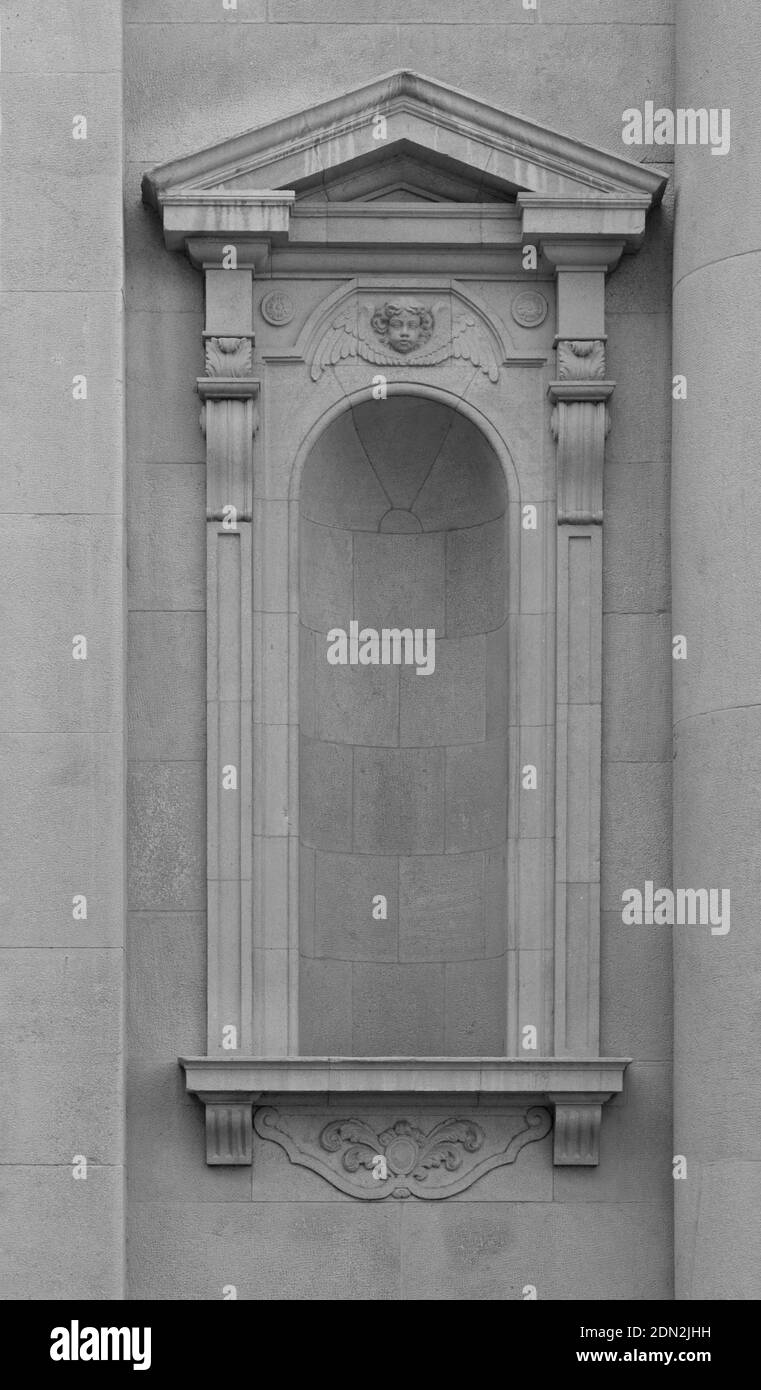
<point>576,1088</point>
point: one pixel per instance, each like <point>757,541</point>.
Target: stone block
<point>398,801</point>
<point>345,886</point>
<point>326,576</point>
<point>637,687</point>
<point>272,632</point>
<point>722,1263</point>
<point>275,757</point>
<point>57,38</point>
<point>55,1107</point>
<point>63,1005</point>
<point>498,926</point>
<point>476,796</point>
<point>79,178</point>
<point>166,986</point>
<point>325,815</point>
<point>166,688</point>
<point>64,821</point>
<point>325,1008</point>
<point>639,360</point>
<point>476,582</point>
<point>636,990</point>
<point>343,1251</point>
<point>273,972</point>
<point>164,360</point>
<point>475,1009</point>
<point>490,1251</point>
<point>636,576</point>
<point>68,573</point>
<point>398,1010</point>
<point>196,12</point>
<point>356,704</point>
<point>271,888</point>
<point>166,836</point>
<point>61,454</point>
<point>636,829</point>
<point>441,907</point>
<point>397,12</point>
<point>166,511</point>
<point>64,1238</point>
<point>446,705</point>
<point>399,581</point>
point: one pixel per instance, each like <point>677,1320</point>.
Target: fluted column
<point>716,570</point>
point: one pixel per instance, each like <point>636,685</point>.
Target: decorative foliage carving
<point>229,357</point>
<point>373,1161</point>
<point>405,332</point>
<point>581,360</point>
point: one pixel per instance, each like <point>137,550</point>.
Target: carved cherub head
<point>403,324</point>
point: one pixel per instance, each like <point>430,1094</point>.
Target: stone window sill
<point>575,1088</point>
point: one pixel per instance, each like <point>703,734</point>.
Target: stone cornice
<point>518,153</point>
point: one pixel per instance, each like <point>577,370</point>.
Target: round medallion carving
<point>277,308</point>
<point>529,308</point>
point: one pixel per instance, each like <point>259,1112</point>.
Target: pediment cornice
<point>437,125</point>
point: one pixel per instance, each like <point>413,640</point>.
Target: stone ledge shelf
<point>575,1087</point>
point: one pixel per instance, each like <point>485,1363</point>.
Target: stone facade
<point>382,479</point>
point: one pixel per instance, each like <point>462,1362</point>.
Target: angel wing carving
<point>348,336</point>
<point>466,342</point>
<point>351,334</point>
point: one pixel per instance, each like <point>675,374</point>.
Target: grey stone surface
<point>345,886</point>
<point>166,559</point>
<point>167,686</point>
<point>475,1009</point>
<point>441,907</point>
<point>399,581</point>
<point>326,794</point>
<point>65,1237</point>
<point>448,705</point>
<point>398,1010</point>
<point>325,1008</point>
<point>166,992</point>
<point>476,579</point>
<point>326,576</point>
<point>356,704</point>
<point>402,438</point>
<point>399,800</point>
<point>166,863</point>
<point>476,792</point>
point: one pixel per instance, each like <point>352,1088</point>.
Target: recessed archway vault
<point>405,239</point>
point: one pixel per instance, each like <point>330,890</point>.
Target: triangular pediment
<point>404,132</point>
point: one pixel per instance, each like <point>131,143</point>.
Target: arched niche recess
<point>505,231</point>
<point>403,822</point>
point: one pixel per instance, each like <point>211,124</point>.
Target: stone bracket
<point>576,1088</point>
<point>576,1139</point>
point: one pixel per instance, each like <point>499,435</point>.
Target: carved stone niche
<point>455,192</point>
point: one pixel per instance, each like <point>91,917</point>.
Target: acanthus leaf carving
<point>228,357</point>
<point>581,359</point>
<point>432,1164</point>
<point>404,332</point>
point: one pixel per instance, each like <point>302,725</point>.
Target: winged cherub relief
<point>405,332</point>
